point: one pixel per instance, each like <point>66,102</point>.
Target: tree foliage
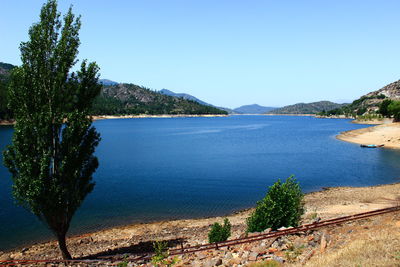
<point>51,157</point>
<point>394,110</point>
<point>282,206</point>
<point>220,233</point>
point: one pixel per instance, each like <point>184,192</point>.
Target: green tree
<point>394,110</point>
<point>282,206</point>
<point>51,157</point>
<point>383,107</point>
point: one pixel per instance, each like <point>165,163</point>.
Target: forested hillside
<point>122,99</point>
<point>134,99</point>
<point>306,108</point>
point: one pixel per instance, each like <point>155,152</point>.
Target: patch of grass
<point>293,252</point>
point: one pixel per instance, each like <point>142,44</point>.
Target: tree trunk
<point>63,247</point>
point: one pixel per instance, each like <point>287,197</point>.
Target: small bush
<point>219,233</point>
<point>161,255</point>
<point>282,206</point>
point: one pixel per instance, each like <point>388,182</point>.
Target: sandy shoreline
<point>385,134</point>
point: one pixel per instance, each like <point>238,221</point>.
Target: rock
<point>196,264</point>
<point>278,259</point>
<point>253,256</point>
<point>245,254</point>
<point>327,237</point>
<point>219,262</point>
<point>312,244</point>
<point>210,263</point>
<point>317,236</point>
<point>323,243</point>
<point>228,256</point>
<point>257,250</point>
<point>275,244</point>
<point>201,255</point>
<point>266,231</point>
<point>234,261</point>
<point>272,250</point>
<point>24,250</point>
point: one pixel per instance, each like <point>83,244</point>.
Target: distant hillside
<point>193,98</point>
<point>306,108</point>
<point>122,99</point>
<point>134,99</point>
<point>183,95</point>
<point>370,102</point>
<point>107,82</point>
<point>253,109</point>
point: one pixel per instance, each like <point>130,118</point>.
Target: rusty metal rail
<point>233,242</point>
<point>274,234</point>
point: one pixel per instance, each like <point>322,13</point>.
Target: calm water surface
<point>153,169</point>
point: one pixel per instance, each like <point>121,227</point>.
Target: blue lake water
<point>153,169</point>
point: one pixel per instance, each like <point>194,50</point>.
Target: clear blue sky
<point>231,53</point>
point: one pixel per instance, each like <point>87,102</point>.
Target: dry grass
<point>375,248</point>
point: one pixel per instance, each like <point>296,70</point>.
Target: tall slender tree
<point>51,156</point>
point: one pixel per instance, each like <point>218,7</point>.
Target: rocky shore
<point>124,243</point>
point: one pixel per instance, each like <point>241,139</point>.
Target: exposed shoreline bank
<point>328,203</point>
<point>387,134</point>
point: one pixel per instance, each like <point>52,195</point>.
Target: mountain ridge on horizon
<point>306,108</point>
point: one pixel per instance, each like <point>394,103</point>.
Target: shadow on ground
<point>139,249</point>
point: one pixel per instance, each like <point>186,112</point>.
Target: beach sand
<point>385,134</point>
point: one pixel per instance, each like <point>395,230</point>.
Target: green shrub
<point>219,233</point>
<point>282,206</point>
<point>161,255</point>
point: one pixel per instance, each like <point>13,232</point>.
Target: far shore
<point>108,117</point>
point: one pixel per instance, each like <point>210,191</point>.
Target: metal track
<point>233,242</point>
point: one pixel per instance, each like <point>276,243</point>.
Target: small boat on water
<point>371,146</point>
